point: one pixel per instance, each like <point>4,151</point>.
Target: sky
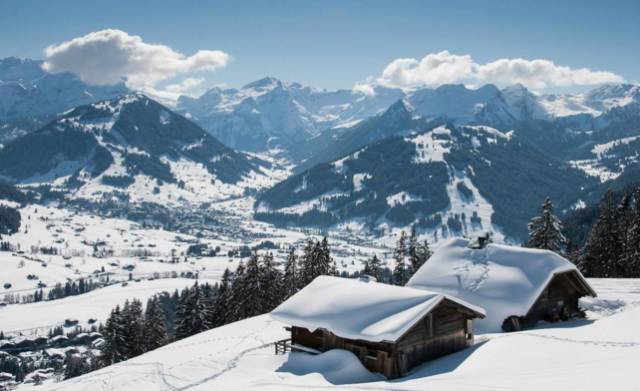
<point>193,45</point>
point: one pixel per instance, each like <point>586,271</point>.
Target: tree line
<point>255,288</point>
<point>612,247</point>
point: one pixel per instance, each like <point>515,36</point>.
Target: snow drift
<point>337,366</point>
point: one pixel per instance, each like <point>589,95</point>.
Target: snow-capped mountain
<point>270,113</point>
<point>447,180</point>
<point>399,118</point>
<point>31,97</point>
<point>128,143</point>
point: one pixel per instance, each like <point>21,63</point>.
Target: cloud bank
<point>111,56</point>
<point>436,69</point>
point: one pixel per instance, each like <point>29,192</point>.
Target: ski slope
<point>602,351</point>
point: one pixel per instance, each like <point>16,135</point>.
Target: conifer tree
<point>372,267</point>
<point>114,348</point>
<point>307,263</point>
<point>423,253</point>
<point>201,316</point>
<point>271,283</point>
<point>251,294</point>
<point>221,302</point>
<point>600,254</point>
<point>290,283</point>
<point>326,264</point>
<point>184,310</point>
<point>400,270</point>
<point>631,256</point>
<point>236,310</point>
<point>154,329</point>
<point>131,321</point>
<point>412,249</point>
<point>545,231</point>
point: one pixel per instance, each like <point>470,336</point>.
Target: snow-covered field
<point>600,352</point>
<point>39,318</point>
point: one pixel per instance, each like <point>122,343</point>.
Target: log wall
<point>445,330</point>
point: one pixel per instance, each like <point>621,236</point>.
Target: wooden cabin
<point>390,329</point>
<point>559,301</point>
<point>518,287</point>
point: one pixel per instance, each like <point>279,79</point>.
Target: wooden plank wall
<point>444,331</point>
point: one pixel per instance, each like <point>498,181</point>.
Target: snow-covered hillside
<point>134,145</point>
<point>447,181</point>
<point>608,160</point>
<point>598,353</point>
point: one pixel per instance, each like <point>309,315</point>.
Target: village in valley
<point>342,195</point>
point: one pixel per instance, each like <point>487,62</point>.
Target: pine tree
<point>154,329</point>
<point>132,321</point>
<point>400,270</point>
<point>423,253</point>
<point>316,261</point>
<point>412,250</point>
<point>418,253</point>
<point>235,307</point>
<point>545,231</point>
<point>221,303</point>
<point>271,284</point>
<point>326,264</point>
<point>193,313</point>
<point>75,366</point>
<point>632,253</point>
<point>307,262</point>
<point>600,255</point>
<point>183,315</point>
<point>114,348</point>
<point>373,268</point>
<point>290,283</point>
<point>252,300</point>
<point>201,316</point>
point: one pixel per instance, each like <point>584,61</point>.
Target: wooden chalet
<point>558,301</point>
<point>518,287</point>
<point>390,329</point>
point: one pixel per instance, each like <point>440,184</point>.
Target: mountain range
<point>449,160</point>
<point>447,180</point>
<point>130,145</point>
<point>31,97</point>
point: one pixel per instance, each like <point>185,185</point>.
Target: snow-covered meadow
<point>599,352</point>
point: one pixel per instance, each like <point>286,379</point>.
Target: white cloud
<point>365,88</point>
<point>186,86</point>
<point>436,69</point>
<point>111,56</point>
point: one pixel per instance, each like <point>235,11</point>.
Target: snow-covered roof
<point>356,309</point>
<point>504,280</point>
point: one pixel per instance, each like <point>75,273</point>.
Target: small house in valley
<point>518,287</point>
<point>391,329</point>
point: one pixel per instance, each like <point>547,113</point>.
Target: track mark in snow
<point>473,274</point>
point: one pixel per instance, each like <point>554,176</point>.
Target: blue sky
<point>334,44</point>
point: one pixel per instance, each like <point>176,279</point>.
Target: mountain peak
<point>400,108</point>
<point>264,83</point>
